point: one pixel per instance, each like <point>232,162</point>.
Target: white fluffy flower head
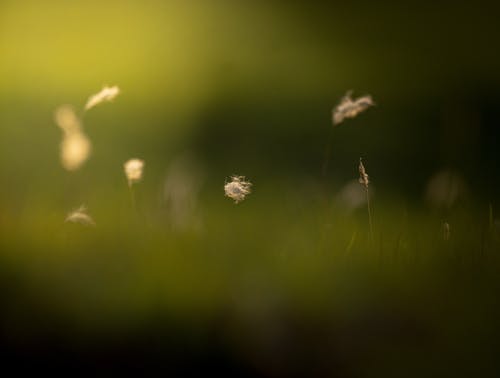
<point>75,150</point>
<point>67,119</point>
<point>350,108</point>
<point>81,216</point>
<point>133,170</point>
<point>237,189</point>
<point>105,95</point>
<point>75,146</point>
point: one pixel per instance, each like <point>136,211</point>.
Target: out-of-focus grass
<point>130,263</point>
<point>269,271</point>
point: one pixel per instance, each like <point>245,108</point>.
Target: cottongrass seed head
<point>133,170</point>
<point>363,176</point>
<point>237,189</point>
<point>80,216</point>
<point>75,146</point>
<point>67,119</point>
<point>350,108</point>
<point>75,150</point>
<point>106,94</point>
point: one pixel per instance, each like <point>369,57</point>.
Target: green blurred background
<point>286,283</point>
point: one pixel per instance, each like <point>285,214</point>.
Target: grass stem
<point>369,212</point>
<point>132,197</point>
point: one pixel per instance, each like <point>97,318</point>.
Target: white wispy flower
<point>105,95</point>
<point>75,146</point>
<point>67,119</point>
<point>350,108</point>
<point>75,150</point>
<point>81,216</point>
<point>133,170</point>
<point>237,188</point>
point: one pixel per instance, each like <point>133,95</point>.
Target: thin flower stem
<point>490,216</point>
<point>364,179</point>
<point>132,197</point>
<point>326,158</point>
<point>369,212</point>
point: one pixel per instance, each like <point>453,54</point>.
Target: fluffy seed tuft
<point>75,146</point>
<point>81,216</point>
<point>350,108</point>
<point>106,94</point>
<point>67,119</point>
<point>75,150</point>
<point>133,170</point>
<point>237,189</point>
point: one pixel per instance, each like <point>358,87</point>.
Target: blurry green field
<point>273,270</point>
<point>289,282</point>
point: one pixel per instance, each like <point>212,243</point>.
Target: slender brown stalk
<point>364,180</point>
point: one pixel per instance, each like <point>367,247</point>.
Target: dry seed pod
<point>363,176</point>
